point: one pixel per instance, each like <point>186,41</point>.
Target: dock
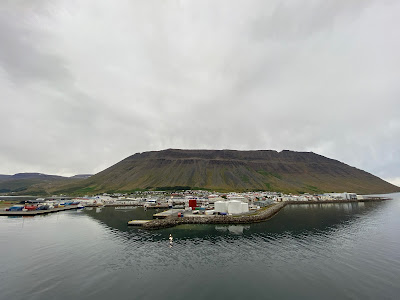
<point>168,213</point>
<point>37,212</point>
<point>157,206</point>
<point>260,216</point>
<point>138,222</point>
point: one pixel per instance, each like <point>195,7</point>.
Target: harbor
<point>257,217</point>
<point>138,222</point>
<point>130,259</point>
<point>168,213</point>
<point>175,217</point>
<point>187,207</point>
<point>37,212</point>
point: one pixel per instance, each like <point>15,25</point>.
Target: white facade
<point>234,207</point>
<point>245,207</point>
<point>221,207</point>
<point>231,207</point>
<point>237,198</point>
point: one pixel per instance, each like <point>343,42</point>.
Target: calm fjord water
<point>327,251</point>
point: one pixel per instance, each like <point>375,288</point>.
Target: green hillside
<point>35,183</point>
<point>230,170</point>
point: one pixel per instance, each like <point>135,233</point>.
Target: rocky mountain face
<point>231,170</point>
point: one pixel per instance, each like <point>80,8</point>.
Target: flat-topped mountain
<point>231,170</point>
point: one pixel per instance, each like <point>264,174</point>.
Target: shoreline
<point>244,219</point>
<point>257,217</point>
<point>37,212</point>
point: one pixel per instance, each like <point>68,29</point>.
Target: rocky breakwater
<point>258,216</point>
<point>336,201</point>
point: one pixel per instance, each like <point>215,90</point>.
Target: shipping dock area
<point>37,212</point>
<point>168,213</point>
<point>138,222</point>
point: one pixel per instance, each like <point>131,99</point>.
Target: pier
<point>169,218</point>
<point>367,199</point>
<point>138,222</point>
<point>37,212</point>
<point>168,213</point>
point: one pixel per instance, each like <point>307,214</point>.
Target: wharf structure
<point>37,212</point>
<point>170,219</point>
<point>259,216</point>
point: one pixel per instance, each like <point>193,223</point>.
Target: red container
<point>30,207</point>
<point>192,203</point>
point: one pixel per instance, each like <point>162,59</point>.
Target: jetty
<point>173,220</point>
<point>138,222</point>
<point>168,213</point>
<point>366,199</point>
<point>37,212</point>
<point>169,218</point>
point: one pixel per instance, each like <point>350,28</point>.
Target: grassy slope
<point>35,186</point>
<point>228,170</point>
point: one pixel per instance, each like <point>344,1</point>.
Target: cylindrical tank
<point>245,207</point>
<point>234,207</point>
<point>220,206</point>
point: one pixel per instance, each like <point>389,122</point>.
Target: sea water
<point>318,251</point>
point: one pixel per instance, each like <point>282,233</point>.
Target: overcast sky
<point>84,84</point>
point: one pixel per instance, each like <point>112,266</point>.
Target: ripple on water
<point>329,252</point>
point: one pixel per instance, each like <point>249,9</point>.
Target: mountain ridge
<point>35,183</point>
<point>234,170</point>
<point>217,170</point>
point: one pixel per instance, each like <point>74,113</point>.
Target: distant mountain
<point>33,183</point>
<point>34,176</point>
<point>231,170</point>
<point>81,176</point>
<point>4,177</point>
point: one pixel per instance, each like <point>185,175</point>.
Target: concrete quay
<point>168,213</point>
<point>259,216</point>
<point>37,212</point>
<point>368,199</point>
<point>138,222</point>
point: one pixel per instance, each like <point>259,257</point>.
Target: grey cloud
<point>298,20</point>
<point>20,53</point>
<point>100,81</point>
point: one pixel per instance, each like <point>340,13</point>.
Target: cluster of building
<point>188,203</point>
<point>41,204</point>
<point>205,202</point>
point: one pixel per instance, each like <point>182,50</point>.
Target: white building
<point>231,207</point>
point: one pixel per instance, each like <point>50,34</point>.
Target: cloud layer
<point>83,84</point>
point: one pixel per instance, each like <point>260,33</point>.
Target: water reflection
<point>313,248</point>
<point>235,229</point>
<point>296,220</point>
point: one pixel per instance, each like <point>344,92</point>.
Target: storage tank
<point>220,206</point>
<point>238,198</point>
<point>245,207</point>
<point>234,207</point>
